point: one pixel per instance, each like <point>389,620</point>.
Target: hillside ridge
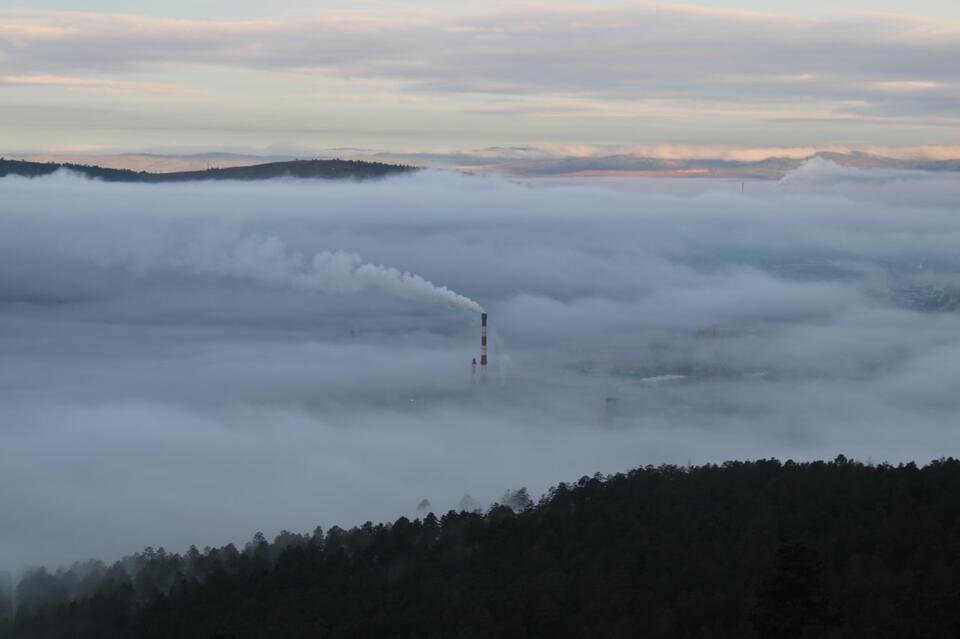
<point>665,551</point>
<point>306,169</point>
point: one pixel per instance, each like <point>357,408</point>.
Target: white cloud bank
<point>163,382</point>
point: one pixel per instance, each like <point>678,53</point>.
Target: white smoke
<point>268,260</point>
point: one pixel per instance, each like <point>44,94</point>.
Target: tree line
<point>743,549</point>
<point>312,169</point>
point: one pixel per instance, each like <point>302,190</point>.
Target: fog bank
<point>190,363</point>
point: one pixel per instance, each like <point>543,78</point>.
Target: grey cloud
<point>150,395</point>
<point>647,52</point>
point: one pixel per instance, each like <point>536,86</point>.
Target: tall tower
<point>483,343</point>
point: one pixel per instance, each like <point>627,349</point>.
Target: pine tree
<point>791,602</point>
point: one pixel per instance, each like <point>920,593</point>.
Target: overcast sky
<point>430,76</point>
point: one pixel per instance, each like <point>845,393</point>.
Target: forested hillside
<point>752,549</point>
<point>325,169</point>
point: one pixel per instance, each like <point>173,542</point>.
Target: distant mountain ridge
<point>308,169</point>
<point>772,168</point>
<point>511,162</point>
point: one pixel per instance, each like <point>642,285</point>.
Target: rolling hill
<point>307,169</point>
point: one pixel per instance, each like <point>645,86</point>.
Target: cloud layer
<point>659,62</point>
<point>882,64</point>
<point>164,383</point>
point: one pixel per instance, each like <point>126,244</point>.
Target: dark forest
<point>322,169</point>
<point>742,549</point>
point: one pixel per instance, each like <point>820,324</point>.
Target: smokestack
<point>483,342</point>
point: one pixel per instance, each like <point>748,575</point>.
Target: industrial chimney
<point>483,343</point>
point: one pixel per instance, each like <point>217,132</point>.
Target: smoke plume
<point>268,260</point>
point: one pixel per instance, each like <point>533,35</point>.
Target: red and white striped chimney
<point>483,341</point>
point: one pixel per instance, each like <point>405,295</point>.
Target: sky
<point>416,76</point>
<point>190,363</point>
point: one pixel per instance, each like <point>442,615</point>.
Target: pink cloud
<point>97,85</point>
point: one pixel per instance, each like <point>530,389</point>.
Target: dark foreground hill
<point>759,549</point>
<point>324,169</point>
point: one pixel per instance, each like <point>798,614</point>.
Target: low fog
<point>190,363</point>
